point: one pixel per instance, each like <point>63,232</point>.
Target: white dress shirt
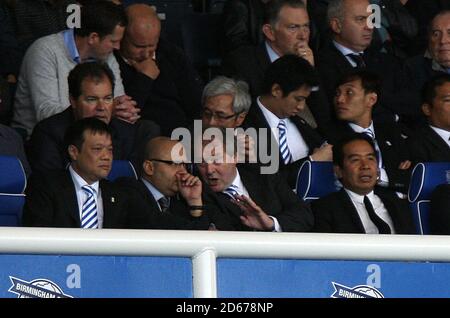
<point>444,134</point>
<point>296,144</point>
<point>241,190</point>
<point>379,208</point>
<point>79,182</point>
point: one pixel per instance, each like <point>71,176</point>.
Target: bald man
<point>156,73</point>
<point>171,196</point>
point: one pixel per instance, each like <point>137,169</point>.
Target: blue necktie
<point>358,59</point>
<point>231,191</point>
<point>284,149</point>
<point>164,203</point>
<point>371,134</point>
<point>89,218</point>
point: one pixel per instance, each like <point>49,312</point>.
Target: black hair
<point>273,7</point>
<point>75,133</point>
<point>370,81</point>
<point>96,71</point>
<point>429,88</point>
<point>100,17</point>
<point>290,72</point>
<point>338,148</point>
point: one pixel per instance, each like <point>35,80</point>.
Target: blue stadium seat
<point>425,177</point>
<point>12,186</point>
<point>315,180</point>
<point>121,168</point>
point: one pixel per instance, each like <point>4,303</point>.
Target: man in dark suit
<point>349,49</point>
<point>287,85</point>
<point>286,30</point>
<point>156,73</point>
<point>80,197</point>
<point>360,206</point>
<point>436,60</point>
<point>168,193</point>
<point>91,87</point>
<point>261,202</point>
<point>432,142</point>
<point>356,98</point>
<point>440,210</point>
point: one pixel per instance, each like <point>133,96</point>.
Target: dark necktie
<point>382,226</point>
<point>164,203</point>
<point>358,59</point>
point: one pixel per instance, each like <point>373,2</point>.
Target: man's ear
<point>240,118</point>
<point>276,91</point>
<point>93,37</point>
<point>335,25</point>
<point>148,167</point>
<point>268,32</point>
<point>73,152</point>
<point>426,109</point>
<point>373,98</point>
<point>337,171</point>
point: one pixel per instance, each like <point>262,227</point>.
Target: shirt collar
<point>271,118</point>
<point>155,192</point>
<point>344,50</point>
<point>273,56</point>
<point>435,66</point>
<point>80,182</point>
<point>359,198</point>
<point>444,134</point>
<point>69,41</point>
<point>358,129</point>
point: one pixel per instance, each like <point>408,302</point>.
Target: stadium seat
<point>12,186</point>
<point>200,34</point>
<point>425,177</point>
<point>315,180</point>
<point>121,168</point>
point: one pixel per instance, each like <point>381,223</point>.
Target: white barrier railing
<point>205,246</point>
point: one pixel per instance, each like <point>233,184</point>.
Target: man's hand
<point>404,165</point>
<point>147,67</point>
<point>125,109</point>
<point>190,188</point>
<point>324,153</point>
<point>304,51</point>
<point>253,217</point>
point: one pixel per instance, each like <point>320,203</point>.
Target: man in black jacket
<point>360,207</point>
<point>156,73</point>
<point>79,197</point>
<point>91,87</point>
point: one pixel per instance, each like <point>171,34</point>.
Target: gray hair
<point>222,85</point>
<point>335,10</point>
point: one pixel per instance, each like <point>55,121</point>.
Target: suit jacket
<point>273,195</point>
<point>173,99</point>
<point>427,146</point>
<point>335,213</point>
<point>393,147</point>
<point>332,66</point>
<point>440,210</point>
<point>51,201</point>
<point>255,118</point>
<point>250,64</point>
<point>177,217</point>
<point>47,151</point>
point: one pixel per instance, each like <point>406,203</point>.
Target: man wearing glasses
<point>171,196</point>
<point>91,87</point>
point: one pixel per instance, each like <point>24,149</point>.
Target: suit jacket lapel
<point>348,207</point>
<point>69,195</point>
<point>436,140</point>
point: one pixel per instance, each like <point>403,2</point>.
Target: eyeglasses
<point>208,115</point>
<point>170,162</point>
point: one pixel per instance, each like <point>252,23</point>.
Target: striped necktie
<point>368,132</point>
<point>231,191</point>
<point>282,139</point>
<point>358,59</point>
<point>89,218</point>
<point>164,203</point>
